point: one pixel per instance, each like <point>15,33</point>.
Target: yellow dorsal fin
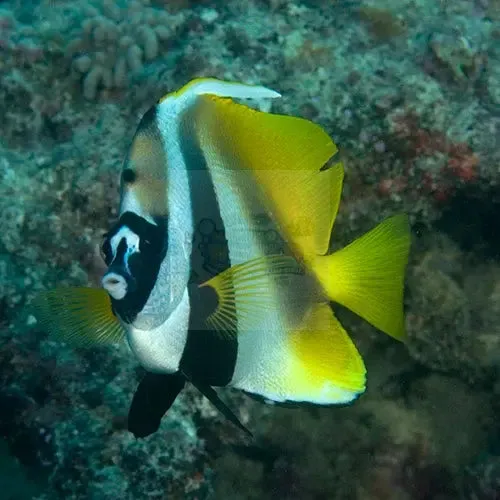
<point>243,291</point>
<point>147,160</point>
<point>286,157</point>
<point>78,316</point>
<point>367,276</point>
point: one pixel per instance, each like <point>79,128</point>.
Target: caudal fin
<point>367,276</point>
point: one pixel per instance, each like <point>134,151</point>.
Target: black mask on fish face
<point>133,251</point>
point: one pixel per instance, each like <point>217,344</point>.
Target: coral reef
<point>114,42</point>
<point>71,437</point>
<point>482,480</point>
<point>463,312</point>
<point>382,23</point>
<point>407,472</point>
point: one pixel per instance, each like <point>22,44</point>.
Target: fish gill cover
<point>409,90</point>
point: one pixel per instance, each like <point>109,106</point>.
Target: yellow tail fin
<point>367,276</point>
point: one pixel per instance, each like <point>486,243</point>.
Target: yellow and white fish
<point>262,321</point>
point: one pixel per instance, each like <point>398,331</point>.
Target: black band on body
<point>208,356</point>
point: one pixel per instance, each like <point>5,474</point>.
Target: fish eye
<point>129,176</point>
<point>144,244</point>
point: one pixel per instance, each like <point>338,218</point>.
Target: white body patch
<point>159,350</point>
<point>260,350</point>
<point>173,276</point>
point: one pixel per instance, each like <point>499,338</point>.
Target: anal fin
<point>316,362</point>
<point>325,356</point>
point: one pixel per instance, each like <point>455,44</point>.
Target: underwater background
<point>410,92</point>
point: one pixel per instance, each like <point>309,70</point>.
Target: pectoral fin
<point>243,291</point>
<point>79,316</point>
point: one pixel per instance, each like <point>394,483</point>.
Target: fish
<point>218,268</point>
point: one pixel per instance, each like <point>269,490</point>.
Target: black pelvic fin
<point>213,397</point>
<point>153,397</point>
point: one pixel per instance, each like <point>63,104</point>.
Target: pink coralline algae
<point>458,162</point>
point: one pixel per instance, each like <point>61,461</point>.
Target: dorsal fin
<point>289,160</point>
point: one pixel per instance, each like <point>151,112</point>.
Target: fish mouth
<point>118,283</point>
<point>115,284</point>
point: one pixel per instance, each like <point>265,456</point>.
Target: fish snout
<point>118,282</point>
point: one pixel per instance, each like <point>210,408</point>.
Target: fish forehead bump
<point>144,177</point>
<point>130,202</point>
